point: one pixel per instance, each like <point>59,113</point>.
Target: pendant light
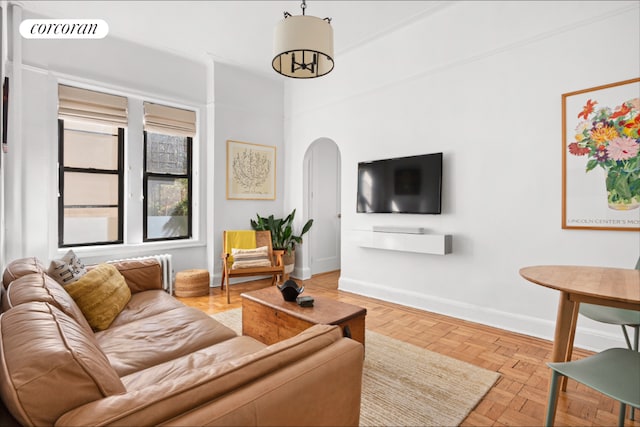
<point>303,46</point>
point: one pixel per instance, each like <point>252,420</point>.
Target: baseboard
<point>217,278</point>
<point>297,273</point>
<point>301,273</point>
<point>585,337</point>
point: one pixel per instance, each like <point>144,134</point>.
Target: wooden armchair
<point>244,239</point>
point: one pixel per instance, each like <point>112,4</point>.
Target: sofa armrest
<point>321,390</point>
<point>322,387</point>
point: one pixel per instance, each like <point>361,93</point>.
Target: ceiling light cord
<point>303,6</point>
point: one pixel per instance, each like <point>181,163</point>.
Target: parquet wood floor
<point>517,399</point>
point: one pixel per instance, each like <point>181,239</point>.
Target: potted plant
<point>282,236</point>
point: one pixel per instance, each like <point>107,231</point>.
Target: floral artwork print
<point>610,140</point>
<point>601,157</point>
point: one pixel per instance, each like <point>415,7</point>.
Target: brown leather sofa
<point>161,362</point>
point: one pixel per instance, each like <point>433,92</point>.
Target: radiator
<point>165,264</point>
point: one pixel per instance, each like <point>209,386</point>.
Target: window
<point>167,186</point>
<point>92,178</point>
<point>91,167</point>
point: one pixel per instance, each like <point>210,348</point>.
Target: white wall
<point>248,108</point>
<point>481,82</point>
<point>31,176</point>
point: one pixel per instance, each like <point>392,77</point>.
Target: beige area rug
<point>405,385</point>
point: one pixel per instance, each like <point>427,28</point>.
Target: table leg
<point>572,335</point>
<point>561,340</point>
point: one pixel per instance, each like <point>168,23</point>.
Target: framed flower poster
<point>251,171</point>
<point>601,157</point>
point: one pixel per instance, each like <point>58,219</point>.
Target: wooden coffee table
<point>267,317</point>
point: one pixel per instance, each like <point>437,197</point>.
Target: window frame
<point>146,175</point>
<point>119,172</point>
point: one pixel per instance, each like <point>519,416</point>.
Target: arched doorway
<point>322,200</point>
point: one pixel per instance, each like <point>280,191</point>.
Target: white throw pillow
<point>68,269</point>
<point>250,258</point>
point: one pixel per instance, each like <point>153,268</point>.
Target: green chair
<point>616,316</point>
<point>614,372</point>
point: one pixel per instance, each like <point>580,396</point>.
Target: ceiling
<point>234,32</point>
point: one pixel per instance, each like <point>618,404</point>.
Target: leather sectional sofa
<point>161,362</point>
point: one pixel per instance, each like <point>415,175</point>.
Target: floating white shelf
<point>437,244</point>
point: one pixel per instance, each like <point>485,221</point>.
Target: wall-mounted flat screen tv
<point>401,185</point>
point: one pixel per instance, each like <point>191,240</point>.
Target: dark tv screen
<point>401,185</point>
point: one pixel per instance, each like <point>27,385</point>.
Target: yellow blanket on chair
<point>240,239</point>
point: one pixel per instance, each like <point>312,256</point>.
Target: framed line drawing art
<point>601,157</point>
<point>251,171</point>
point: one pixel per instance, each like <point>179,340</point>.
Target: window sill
<point>130,250</point>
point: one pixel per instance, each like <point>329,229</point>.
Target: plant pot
<point>289,260</point>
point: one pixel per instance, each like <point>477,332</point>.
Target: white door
<point>324,205</point>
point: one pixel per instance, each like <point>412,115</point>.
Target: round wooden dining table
<point>614,287</point>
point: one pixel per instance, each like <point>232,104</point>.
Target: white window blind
<point>84,104</point>
<point>169,120</point>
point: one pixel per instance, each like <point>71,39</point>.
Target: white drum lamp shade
<point>303,47</point>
